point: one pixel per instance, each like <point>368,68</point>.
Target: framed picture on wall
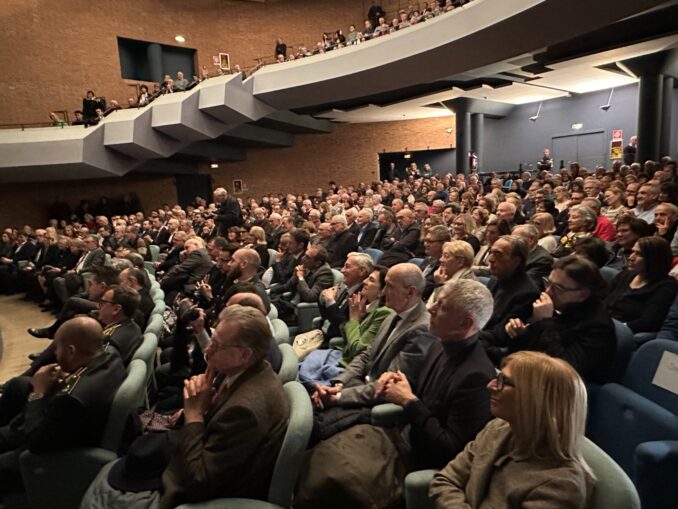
<point>237,187</point>
<point>225,61</point>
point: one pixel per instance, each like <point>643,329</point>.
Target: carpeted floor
<point>16,316</point>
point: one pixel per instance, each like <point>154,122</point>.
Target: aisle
<point>15,317</point>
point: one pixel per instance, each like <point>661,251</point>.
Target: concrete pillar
<point>649,116</point>
<point>667,99</point>
<point>477,136</point>
<point>463,128</point>
<point>154,54</point>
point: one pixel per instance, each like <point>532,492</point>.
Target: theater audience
<point>463,228</point>
<point>581,222</point>
<point>455,264</point>
<point>530,453</point>
<point>539,261</point>
<point>629,230</point>
<point>641,294</point>
<point>435,239</point>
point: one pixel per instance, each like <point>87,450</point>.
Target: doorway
<point>588,149</point>
<point>190,186</point>
<point>441,160</point>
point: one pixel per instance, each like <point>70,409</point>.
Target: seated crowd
<point>375,25</point>
<point>424,285</point>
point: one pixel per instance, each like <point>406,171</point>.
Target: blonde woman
<point>455,264</point>
<point>259,244</point>
<point>530,454</point>
<point>463,228</point>
<point>562,198</point>
<point>543,221</point>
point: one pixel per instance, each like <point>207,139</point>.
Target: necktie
<point>391,328</point>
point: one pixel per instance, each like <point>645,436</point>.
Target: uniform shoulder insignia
<point>68,384</point>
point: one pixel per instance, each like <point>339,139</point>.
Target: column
<point>665,137</point>
<point>463,133</point>
<point>154,55</point>
<point>477,136</point>
<point>649,116</point>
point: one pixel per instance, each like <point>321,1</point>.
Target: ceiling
<point>508,82</point>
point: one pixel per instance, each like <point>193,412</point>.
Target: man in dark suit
<point>236,433</point>
<point>309,279</point>
<point>383,238</point>
<point>539,260</point>
<point>162,234</point>
<point>228,211</point>
<point>341,243</point>
<point>333,303</point>
<point>400,344</point>
<point>405,240</point>
<point>173,255</point>
<point>366,228</point>
<point>134,278</point>
<point>450,402</point>
<point>72,280</point>
<point>291,251</point>
<point>196,263</point>
<point>64,405</point>
<point>102,279</point>
<point>351,223</point>
<point>9,266</point>
<point>512,289</point>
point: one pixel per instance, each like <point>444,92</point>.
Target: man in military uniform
<point>65,404</point>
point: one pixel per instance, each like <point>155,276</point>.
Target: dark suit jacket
<point>337,313</point>
<point>404,246</point>
<point>429,268</point>
<point>228,214</point>
<point>513,298</point>
<point>284,269</point>
<point>162,238</point>
<point>309,289</point>
<point>24,252</point>
<point>196,265</point>
<point>453,403</point>
<point>171,260</point>
<point>233,452</point>
<point>95,258</point>
<point>538,266</point>
<point>339,246</point>
<point>366,234</point>
<point>354,228</point>
<point>404,349</point>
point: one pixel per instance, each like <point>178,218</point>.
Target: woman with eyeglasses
<point>569,320</point>
<point>530,454</point>
<point>641,294</point>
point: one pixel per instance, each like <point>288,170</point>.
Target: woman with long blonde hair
<point>530,454</point>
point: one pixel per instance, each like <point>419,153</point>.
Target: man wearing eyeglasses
<point>231,433</point>
<point>433,245</point>
<point>512,289</point>
<point>116,309</point>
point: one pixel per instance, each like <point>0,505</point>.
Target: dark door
<point>564,148</point>
<point>190,186</point>
<point>591,149</point>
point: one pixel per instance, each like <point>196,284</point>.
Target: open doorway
<point>441,160</point>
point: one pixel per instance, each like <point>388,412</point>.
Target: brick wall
<point>54,51</point>
<point>348,155</point>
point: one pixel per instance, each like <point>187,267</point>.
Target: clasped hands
<point>542,308</point>
<point>198,394</point>
<point>395,388</point>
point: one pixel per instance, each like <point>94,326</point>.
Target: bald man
<point>65,404</point>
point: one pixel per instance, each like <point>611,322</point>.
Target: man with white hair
<point>196,263</point>
<point>366,228</point>
<point>277,229</point>
<point>228,211</point>
<point>453,377</point>
<point>351,216</point>
<point>341,243</point>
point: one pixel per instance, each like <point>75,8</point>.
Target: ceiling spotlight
<point>180,38</point>
<point>607,106</point>
<point>534,118</point>
<point>214,166</point>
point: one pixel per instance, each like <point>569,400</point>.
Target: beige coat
<point>488,474</point>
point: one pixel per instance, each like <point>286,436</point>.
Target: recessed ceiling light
<point>180,38</point>
<point>214,166</point>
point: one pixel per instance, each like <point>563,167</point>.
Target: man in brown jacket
<point>235,417</point>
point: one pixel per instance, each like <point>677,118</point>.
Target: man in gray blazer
<point>400,344</point>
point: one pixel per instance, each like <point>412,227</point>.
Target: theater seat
<point>613,488</point>
<point>290,363</point>
<point>375,254</point>
<point>59,480</point>
<point>624,417</point>
<point>287,466</point>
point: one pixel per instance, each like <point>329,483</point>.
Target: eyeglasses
<point>557,287</point>
<point>430,241</point>
<point>502,381</point>
<point>104,301</point>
